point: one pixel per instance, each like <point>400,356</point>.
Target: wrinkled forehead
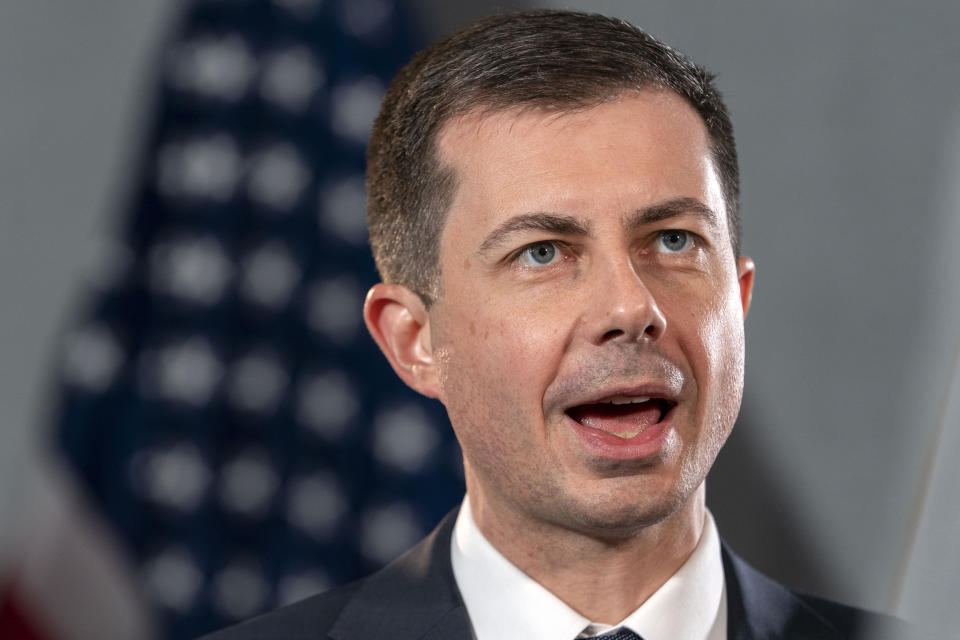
<point>459,135</point>
<point>655,132</point>
<point>518,141</point>
<point>485,117</point>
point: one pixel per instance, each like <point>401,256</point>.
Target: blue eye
<point>674,240</point>
<point>538,255</point>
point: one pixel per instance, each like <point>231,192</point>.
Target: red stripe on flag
<point>15,623</point>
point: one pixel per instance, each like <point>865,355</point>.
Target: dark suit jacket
<point>416,597</point>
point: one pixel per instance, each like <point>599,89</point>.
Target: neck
<point>604,579</point>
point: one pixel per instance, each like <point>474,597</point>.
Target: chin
<point>624,511</point>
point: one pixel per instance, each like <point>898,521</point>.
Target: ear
<point>745,273</point>
<point>400,324</point>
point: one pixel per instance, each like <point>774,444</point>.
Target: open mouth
<point>622,416</point>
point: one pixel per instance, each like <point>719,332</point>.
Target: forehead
<point>614,157</point>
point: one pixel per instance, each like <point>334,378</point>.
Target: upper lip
<point>654,391</point>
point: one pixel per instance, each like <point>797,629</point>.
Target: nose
<point>624,309</point>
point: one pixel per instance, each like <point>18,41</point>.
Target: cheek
<point>496,360</point>
<point>491,388</point>
<point>519,336</point>
<point>484,351</point>
<point>721,334</point>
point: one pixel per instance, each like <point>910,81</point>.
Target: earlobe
<point>400,325</point>
<point>745,273</point>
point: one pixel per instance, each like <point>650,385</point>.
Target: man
<point>553,208</point>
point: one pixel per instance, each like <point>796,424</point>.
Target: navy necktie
<point>620,634</point>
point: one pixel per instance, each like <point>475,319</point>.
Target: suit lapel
<point>413,598</point>
<point>760,609</point>
<point>416,598</point>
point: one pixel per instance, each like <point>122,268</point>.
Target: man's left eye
<point>540,254</point>
<point>675,240</point>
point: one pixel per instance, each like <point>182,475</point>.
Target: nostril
<point>613,333</point>
<point>650,332</point>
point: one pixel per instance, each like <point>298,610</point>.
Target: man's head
<point>557,61</point>
<point>585,326</point>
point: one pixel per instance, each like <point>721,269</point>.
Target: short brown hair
<point>543,59</point>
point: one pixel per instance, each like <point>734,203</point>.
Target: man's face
<point>588,338</point>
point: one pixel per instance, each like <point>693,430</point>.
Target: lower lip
<point>646,444</point>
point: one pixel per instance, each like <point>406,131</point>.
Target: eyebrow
<point>569,225</point>
<point>671,209</point>
<point>538,221</point>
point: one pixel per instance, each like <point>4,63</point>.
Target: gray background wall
<point>73,77</point>
<point>847,116</point>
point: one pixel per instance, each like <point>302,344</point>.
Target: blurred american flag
<point>228,439</point>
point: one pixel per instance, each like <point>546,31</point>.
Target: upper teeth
<point>628,399</point>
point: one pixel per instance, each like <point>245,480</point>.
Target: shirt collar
<point>503,602</point>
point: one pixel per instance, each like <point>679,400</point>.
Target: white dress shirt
<point>505,603</point>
